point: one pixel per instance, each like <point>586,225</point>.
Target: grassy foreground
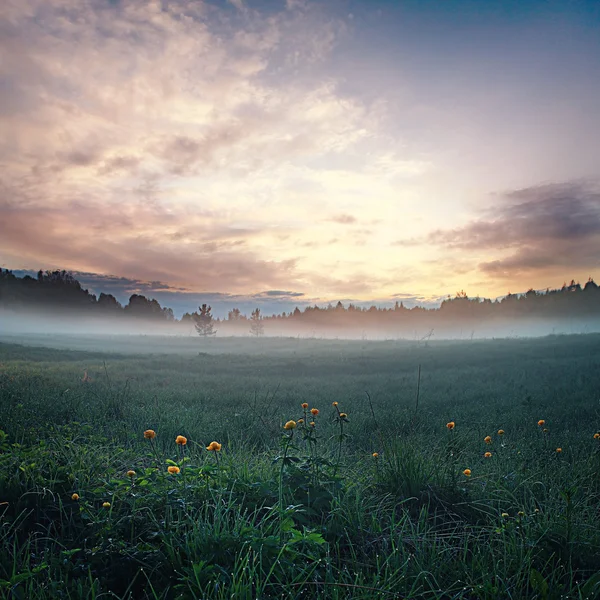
<point>385,502</point>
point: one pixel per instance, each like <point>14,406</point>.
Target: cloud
<point>279,294</point>
<point>541,227</point>
<point>343,219</point>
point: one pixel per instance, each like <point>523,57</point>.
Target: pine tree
<point>256,327</point>
<point>203,321</point>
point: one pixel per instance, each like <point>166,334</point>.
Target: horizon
<point>294,152</point>
<point>223,303</point>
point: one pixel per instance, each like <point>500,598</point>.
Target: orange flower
<point>597,436</point>
<point>149,434</point>
<point>488,454</point>
<point>375,454</point>
<point>180,440</point>
<point>312,423</point>
<point>334,404</point>
<point>300,421</point>
<point>487,439</point>
<point>541,422</point>
<point>467,472</point>
<point>290,425</point>
<point>559,450</point>
<point>75,497</point>
<point>305,405</point>
<point>500,431</point>
<point>130,473</point>
<point>343,416</point>
<point>451,425</point>
<point>173,470</point>
<point>314,411</point>
<point>214,447</point>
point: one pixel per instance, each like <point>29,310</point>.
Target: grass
<point>307,512</point>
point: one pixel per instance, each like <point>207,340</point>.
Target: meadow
<point>478,479</point>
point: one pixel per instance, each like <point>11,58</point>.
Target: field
<point>385,502</point>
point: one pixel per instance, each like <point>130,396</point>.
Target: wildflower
<point>149,434</point>
<point>544,430</point>
<point>305,405</point>
<point>300,421</point>
<point>487,439</point>
<point>75,497</point>
<point>106,505</point>
<point>131,473</point>
<point>334,404</point>
<point>290,425</point>
<point>375,454</point>
<point>558,450</point>
<point>214,447</point>
<point>488,454</point>
<point>173,470</point>
<point>541,422</point>
<point>312,423</point>
<point>343,416</point>
<point>597,436</point>
<point>505,515</point>
<point>451,425</point>
<point>180,440</point>
<point>467,472</point>
<point>314,411</point>
<point>521,513</point>
<point>500,431</point>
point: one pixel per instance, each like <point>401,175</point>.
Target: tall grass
<point>372,505</point>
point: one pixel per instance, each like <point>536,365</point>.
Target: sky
<point>281,152</point>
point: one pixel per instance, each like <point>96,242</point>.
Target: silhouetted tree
<point>256,326</point>
<point>234,315</point>
<point>203,321</point>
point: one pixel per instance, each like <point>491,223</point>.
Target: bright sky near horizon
<point>290,150</point>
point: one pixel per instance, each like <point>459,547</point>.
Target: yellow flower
<point>334,404</point>
<point>487,439</point>
<point>500,431</point>
<point>214,447</point>
<point>451,425</point>
<point>541,422</point>
<point>75,497</point>
<point>467,472</point>
<point>375,454</point>
<point>312,423</point>
<point>597,436</point>
<point>290,425</point>
<point>488,454</point>
<point>149,434</point>
<point>314,411</point>
<point>106,505</point>
<point>559,450</point>
<point>180,440</point>
<point>305,405</point>
<point>343,416</point>
<point>300,421</point>
<point>521,513</point>
<point>130,473</point>
<point>505,515</point>
<point>173,470</point>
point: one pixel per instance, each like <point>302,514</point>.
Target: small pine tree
<point>203,321</point>
<point>256,327</point>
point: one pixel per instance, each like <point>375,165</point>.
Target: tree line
<point>60,291</point>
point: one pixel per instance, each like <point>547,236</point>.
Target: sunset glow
<point>301,151</point>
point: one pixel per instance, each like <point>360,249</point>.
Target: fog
<point>103,333</point>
